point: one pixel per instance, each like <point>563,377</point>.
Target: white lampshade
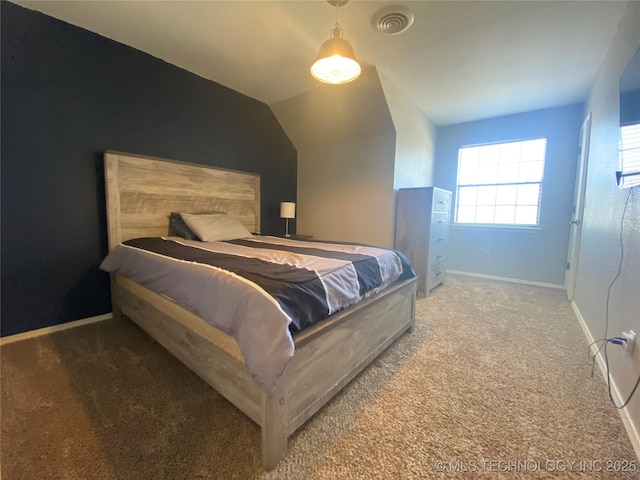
<point>336,62</point>
<point>287,210</point>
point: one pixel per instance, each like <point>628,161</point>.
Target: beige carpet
<point>495,380</point>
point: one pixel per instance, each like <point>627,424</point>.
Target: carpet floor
<point>494,382</point>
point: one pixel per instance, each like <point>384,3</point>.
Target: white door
<point>578,209</point>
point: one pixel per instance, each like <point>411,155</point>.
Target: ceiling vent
<point>393,20</point>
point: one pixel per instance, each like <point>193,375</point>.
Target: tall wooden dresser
<point>422,233</point>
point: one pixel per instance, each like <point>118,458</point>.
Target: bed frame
<point>141,192</point>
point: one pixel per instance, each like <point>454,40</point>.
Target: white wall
<point>345,190</point>
<point>600,250</point>
<point>415,139</point>
<point>529,254</point>
<point>345,140</point>
<point>355,143</point>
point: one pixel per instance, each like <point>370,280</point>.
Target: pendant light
<point>336,63</point>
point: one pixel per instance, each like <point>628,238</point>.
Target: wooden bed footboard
<point>323,363</point>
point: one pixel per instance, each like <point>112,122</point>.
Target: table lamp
<point>287,211</point>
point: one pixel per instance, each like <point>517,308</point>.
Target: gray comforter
<point>259,290</point>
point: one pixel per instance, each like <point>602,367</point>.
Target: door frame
<point>577,215</point>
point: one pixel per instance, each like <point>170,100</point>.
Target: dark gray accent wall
<point>66,96</point>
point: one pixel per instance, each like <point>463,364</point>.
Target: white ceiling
<point>460,61</point>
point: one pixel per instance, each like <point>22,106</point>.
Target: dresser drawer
<point>441,200</point>
<point>438,236</point>
<point>435,275</point>
<point>439,218</point>
<point>437,255</point>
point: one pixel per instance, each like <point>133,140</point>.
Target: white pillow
<point>215,227</point>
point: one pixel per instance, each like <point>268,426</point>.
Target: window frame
<point>501,225</point>
<point>629,174</point>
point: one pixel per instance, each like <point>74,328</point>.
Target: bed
<point>141,193</point>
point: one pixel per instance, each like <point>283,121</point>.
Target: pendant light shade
<point>336,63</point>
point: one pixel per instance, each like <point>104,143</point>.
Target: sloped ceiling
<point>327,113</point>
<point>460,61</point>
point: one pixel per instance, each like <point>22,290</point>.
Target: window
<point>629,174</point>
<point>500,183</point>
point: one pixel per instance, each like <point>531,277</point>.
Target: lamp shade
<point>336,62</point>
<point>287,210</point>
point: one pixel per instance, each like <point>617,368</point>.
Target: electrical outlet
<point>630,344</point>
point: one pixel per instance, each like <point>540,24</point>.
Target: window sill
<point>497,228</point>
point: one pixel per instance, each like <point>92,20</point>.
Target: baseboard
<point>56,328</point>
<point>507,279</point>
<point>633,433</point>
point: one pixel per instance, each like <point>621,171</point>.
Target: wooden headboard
<point>142,191</point>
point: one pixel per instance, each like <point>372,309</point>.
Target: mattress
<point>261,289</point>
